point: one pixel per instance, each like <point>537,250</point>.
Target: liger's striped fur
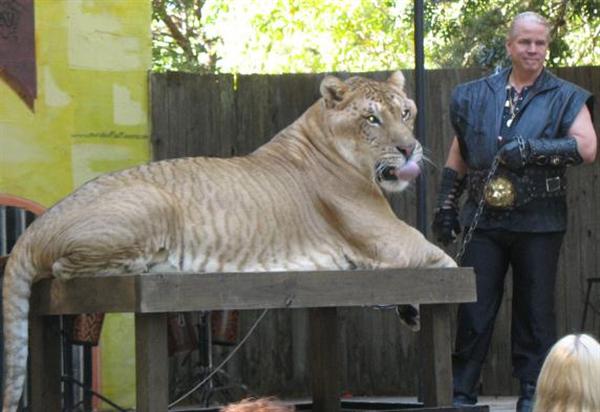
<point>309,199</point>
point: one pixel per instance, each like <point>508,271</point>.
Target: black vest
<point>546,112</point>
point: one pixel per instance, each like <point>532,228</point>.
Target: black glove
<point>519,152</point>
<point>445,224</point>
<point>515,154</point>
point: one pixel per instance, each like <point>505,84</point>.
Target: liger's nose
<point>406,150</point>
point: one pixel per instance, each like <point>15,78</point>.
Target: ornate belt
<point>507,190</point>
<point>500,192</point>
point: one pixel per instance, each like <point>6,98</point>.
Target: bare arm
<point>583,132</point>
<point>455,160</point>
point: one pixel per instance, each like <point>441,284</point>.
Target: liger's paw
<point>441,260</point>
<point>409,315</point>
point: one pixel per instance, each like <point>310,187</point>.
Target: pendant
<point>509,122</point>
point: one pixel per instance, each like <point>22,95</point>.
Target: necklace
<point>512,100</point>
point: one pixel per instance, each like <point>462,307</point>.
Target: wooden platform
<point>152,296</point>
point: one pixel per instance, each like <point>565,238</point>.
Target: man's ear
<point>332,90</point>
<point>397,79</point>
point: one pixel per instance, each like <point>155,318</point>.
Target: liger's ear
<point>397,80</point>
<point>332,90</point>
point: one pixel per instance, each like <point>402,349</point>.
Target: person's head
<point>258,405</point>
<point>527,42</point>
<point>570,376</point>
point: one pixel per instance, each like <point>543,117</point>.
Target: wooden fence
<point>225,115</point>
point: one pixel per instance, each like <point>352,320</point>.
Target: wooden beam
<point>210,291</point>
<point>435,354</point>
<point>45,356</point>
<point>87,294</point>
<point>152,362</point>
<point>324,360</point>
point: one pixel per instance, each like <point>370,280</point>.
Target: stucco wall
<point>90,117</point>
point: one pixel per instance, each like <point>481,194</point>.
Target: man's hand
<point>515,154</point>
<point>445,226</point>
<point>543,152</point>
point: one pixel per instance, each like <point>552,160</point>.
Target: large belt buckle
<point>499,192</point>
<point>553,184</point>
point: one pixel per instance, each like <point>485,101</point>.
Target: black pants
<point>533,258</point>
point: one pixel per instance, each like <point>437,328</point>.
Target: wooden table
<point>152,296</point>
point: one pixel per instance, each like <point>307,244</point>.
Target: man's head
<point>527,42</point>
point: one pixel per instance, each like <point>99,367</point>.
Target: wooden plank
<point>163,293</point>
<point>159,106</point>
<point>45,356</point>
<point>299,324</point>
<point>372,340</point>
<point>84,295</point>
<point>195,291</point>
<point>324,360</point>
<point>192,115</point>
<point>436,362</point>
<point>152,362</point>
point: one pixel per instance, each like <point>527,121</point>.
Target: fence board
<point>204,114</point>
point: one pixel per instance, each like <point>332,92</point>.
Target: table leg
<point>45,356</point>
<point>324,360</point>
<point>152,362</point>
<point>436,355</point>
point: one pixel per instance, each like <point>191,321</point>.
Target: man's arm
<point>455,160</point>
<point>579,146</point>
<point>582,130</point>
<point>446,226</point>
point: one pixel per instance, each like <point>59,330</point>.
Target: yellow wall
<point>91,117</point>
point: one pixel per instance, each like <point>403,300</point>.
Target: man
<point>537,125</point>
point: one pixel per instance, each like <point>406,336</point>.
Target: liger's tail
<point>16,290</point>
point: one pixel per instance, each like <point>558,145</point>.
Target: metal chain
<point>478,211</point>
<point>521,143</point>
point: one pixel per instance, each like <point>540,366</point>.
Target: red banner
<point>17,48</point>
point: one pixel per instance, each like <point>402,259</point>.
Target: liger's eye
<point>373,119</point>
<point>405,114</point>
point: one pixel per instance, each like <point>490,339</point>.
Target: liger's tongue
<point>409,171</point>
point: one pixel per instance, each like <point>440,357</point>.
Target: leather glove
<point>519,152</point>
<point>446,226</point>
<point>515,154</point>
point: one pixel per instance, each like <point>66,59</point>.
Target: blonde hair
<point>258,405</point>
<point>570,377</point>
<point>528,16</point>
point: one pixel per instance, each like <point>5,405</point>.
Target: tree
<point>179,41</point>
<point>274,36</point>
<point>280,35</point>
<point>315,36</point>
<point>471,33</point>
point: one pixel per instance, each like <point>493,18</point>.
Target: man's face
<point>528,46</point>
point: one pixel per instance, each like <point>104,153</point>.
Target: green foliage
<point>471,33</point>
<point>314,36</point>
<point>179,41</point>
<point>275,36</point>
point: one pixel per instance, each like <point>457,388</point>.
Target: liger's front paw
<point>409,315</point>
